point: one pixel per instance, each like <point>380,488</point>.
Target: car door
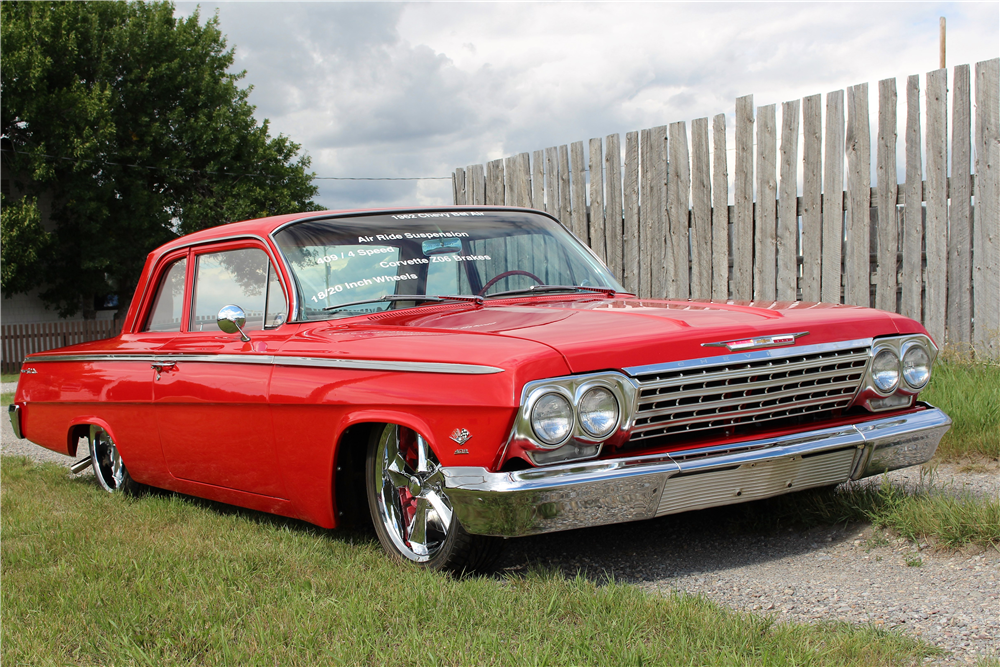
<point>211,390</point>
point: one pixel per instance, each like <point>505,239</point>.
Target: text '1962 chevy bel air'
<point>465,375</point>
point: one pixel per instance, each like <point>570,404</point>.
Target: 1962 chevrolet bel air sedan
<point>463,375</point>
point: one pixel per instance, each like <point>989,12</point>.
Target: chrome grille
<point>740,393</point>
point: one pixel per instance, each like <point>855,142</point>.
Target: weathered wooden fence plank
<point>812,192</point>
<point>959,320</point>
<point>720,210</point>
<point>597,222</point>
<point>565,201</point>
<point>630,195</point>
<point>578,201</point>
<point>986,241</point>
<point>614,214</point>
<point>458,186</point>
<point>678,206</point>
<point>911,277</point>
<point>788,221</point>
<point>701,211</point>
<point>833,199</point>
<point>494,183</point>
<point>888,235</point>
<point>523,180</point>
<point>552,182</point>
<point>765,223</point>
<point>743,202</point>
<point>936,240</point>
<point>509,187</point>
<point>475,184</point>
<point>857,261</point>
<point>646,212</point>
<point>662,276</point>
<point>538,180</point>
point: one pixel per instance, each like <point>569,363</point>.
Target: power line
<point>228,173</point>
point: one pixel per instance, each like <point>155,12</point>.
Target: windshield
<point>349,260</point>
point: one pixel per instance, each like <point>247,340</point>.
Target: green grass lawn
<point>90,578</point>
<point>970,394</point>
<point>9,377</point>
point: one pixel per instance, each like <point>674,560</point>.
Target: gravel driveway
<point>849,574</point>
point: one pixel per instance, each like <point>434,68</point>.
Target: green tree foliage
<point>129,122</point>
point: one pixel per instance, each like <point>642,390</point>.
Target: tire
<point>411,512</point>
<point>109,468</point>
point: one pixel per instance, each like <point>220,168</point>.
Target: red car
<point>465,375</point>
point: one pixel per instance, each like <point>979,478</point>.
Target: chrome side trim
<point>402,366</point>
<point>724,359</point>
<point>777,340</point>
<point>14,412</point>
<point>270,359</point>
<point>577,495</point>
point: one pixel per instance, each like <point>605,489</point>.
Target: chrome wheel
<point>107,461</point>
<point>412,508</point>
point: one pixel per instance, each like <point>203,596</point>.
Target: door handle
<point>161,366</point>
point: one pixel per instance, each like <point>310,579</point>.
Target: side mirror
<point>232,319</point>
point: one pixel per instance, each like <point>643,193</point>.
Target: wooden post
<point>552,182</point>
<point>959,314</point>
<point>888,235</point>
<point>812,208</point>
<point>936,239</point>
<point>578,198</point>
<point>743,225</point>
<point>913,209</point>
<point>614,215</point>
<point>986,236</point>
<point>720,211</point>
<point>857,276</point>
<point>833,199</point>
<point>597,222</point>
<point>788,221</point>
<point>678,206</point>
<point>565,203</point>
<point>765,224</point>
<point>538,180</point>
<point>701,211</point>
<point>630,197</point>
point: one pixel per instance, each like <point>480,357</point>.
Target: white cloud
<point>417,89</point>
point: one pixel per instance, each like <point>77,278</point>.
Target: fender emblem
<point>460,435</point>
<point>757,343</point>
<point>28,370</point>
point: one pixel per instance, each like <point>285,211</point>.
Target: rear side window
<point>169,304</point>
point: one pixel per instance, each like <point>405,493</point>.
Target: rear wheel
<point>109,469</point>
<point>411,511</point>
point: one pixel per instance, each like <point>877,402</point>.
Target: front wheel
<point>109,469</point>
<point>410,508</point>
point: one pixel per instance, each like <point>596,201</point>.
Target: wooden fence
<point>20,340</point>
<point>662,221</point>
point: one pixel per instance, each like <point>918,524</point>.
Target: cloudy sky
<point>417,89</point>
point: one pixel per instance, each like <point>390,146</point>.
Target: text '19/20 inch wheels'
<point>410,508</point>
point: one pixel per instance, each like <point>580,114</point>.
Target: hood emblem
<point>741,344</point>
<point>460,435</point>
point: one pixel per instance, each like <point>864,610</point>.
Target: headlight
<point>552,419</point>
<point>916,366</point>
<point>885,371</point>
<point>598,412</point>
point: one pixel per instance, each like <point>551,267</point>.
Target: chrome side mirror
<point>232,319</point>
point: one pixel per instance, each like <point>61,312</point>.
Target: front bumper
<point>542,500</point>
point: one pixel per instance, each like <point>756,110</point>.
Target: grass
<point>6,398</point>
<point>950,520</point>
<point>90,578</point>
<point>970,394</point>
<point>9,377</point>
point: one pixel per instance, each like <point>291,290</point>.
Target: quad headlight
<point>885,370</point>
<point>598,412</point>
<point>552,418</point>
<point>916,365</point>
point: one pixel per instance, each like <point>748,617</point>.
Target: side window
<point>169,304</point>
<point>238,277</point>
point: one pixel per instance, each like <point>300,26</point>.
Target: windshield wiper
<point>542,289</point>
<point>407,297</point>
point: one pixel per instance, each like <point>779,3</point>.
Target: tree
<point>130,123</point>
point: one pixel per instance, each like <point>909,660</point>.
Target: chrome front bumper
<point>542,500</point>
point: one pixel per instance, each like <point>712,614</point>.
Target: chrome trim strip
<point>316,362</point>
<point>564,497</point>
<point>376,365</point>
<point>760,342</point>
<point>14,412</point>
<point>776,353</point>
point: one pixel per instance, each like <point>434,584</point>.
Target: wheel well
<point>75,433</point>
<point>350,499</point>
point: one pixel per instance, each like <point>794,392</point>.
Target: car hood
<point>596,333</point>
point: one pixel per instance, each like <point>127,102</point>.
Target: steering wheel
<point>515,272</point>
